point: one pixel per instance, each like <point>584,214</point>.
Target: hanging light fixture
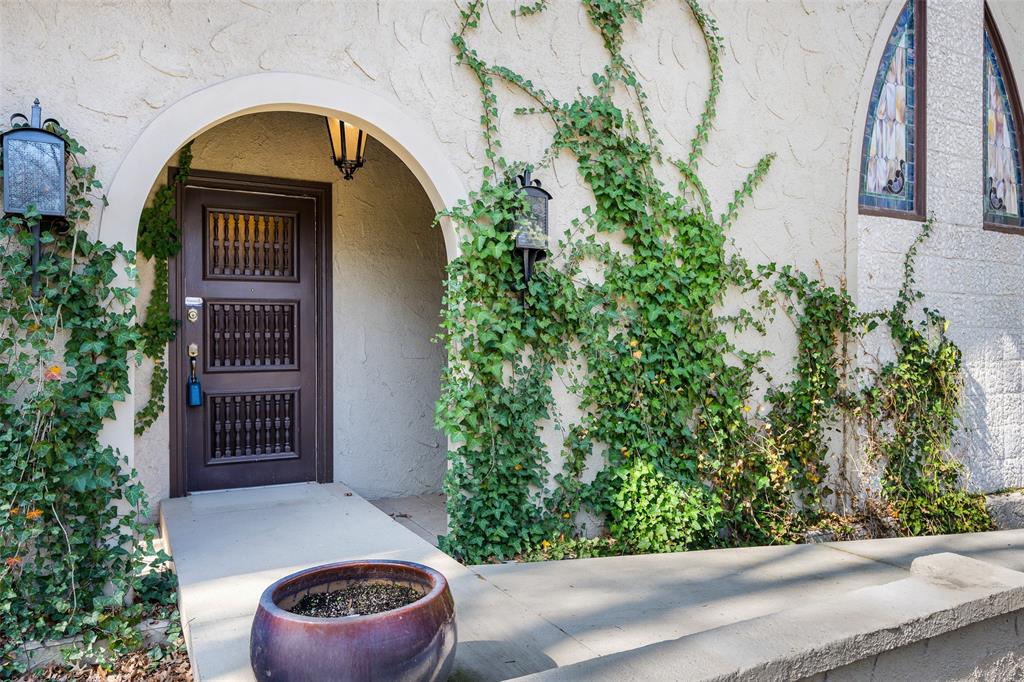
<point>34,176</point>
<point>532,227</point>
<point>33,163</point>
<point>347,145</point>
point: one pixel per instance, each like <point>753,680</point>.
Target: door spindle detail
<point>250,246</point>
<point>250,336</point>
<point>251,426</point>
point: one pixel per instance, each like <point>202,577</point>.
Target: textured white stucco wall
<point>388,264</point>
<point>796,75</point>
<point>971,275</point>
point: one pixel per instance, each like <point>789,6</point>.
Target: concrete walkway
<point>228,546</point>
<point>514,619</point>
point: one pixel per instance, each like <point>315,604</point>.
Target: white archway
<point>204,109</point>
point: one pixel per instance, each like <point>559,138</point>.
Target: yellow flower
<point>545,544</point>
<point>746,408</point>
<point>33,514</point>
<point>634,343</point>
<point>565,515</point>
<point>638,354</point>
<point>519,467</point>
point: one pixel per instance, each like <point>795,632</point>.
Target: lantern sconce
<point>347,146</point>
<point>532,229</point>
<point>35,176</point>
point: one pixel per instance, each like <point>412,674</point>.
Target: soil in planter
<point>361,599</point>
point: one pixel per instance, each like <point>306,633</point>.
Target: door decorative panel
<point>254,336</point>
<point>251,426</point>
<point>249,245</point>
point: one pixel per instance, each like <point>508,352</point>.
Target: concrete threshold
<point>515,619</point>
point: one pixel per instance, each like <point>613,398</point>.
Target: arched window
<point>1003,196</point>
<point>892,162</point>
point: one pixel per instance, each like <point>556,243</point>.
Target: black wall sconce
<point>532,228</point>
<point>348,143</point>
<point>35,176</point>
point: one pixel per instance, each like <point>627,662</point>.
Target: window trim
<point>1013,94</point>
<point>920,211</point>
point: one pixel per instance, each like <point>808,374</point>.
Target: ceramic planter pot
<point>412,643</point>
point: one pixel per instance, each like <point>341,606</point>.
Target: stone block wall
<point>971,275</point>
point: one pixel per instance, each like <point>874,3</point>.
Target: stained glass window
<point>889,161</point>
<point>1003,200</point>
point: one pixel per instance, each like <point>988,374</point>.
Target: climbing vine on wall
<point>910,413</point>
<point>159,239</point>
<point>664,391</point>
<point>71,514</point>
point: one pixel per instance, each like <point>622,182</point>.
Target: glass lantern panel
<point>334,127</point>
<point>533,229</point>
<point>33,174</point>
<point>353,143</point>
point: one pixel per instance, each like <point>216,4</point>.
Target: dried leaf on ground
<point>132,668</point>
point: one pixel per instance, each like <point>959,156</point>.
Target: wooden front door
<point>251,296</point>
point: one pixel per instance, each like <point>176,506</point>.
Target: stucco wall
<point>388,264</point>
<point>796,76</point>
<point>971,275</point>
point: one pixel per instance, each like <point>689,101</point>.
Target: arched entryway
<point>204,110</point>
<point>384,120</point>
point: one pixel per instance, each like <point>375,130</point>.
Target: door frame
<point>324,431</point>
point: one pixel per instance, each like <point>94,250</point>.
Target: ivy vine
<point>73,542</point>
<point>666,394</point>
<point>159,239</point>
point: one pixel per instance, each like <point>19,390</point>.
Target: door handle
<point>195,391</point>
<point>193,353</point>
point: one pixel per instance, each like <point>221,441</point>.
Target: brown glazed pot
<point>411,644</point>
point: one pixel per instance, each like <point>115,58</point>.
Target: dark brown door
<point>248,285</point>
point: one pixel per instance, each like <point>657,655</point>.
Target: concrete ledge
<point>39,654</point>
<point>945,592</point>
